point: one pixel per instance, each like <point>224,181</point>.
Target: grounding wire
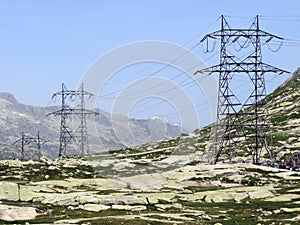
<point>176,88</point>
<point>170,64</point>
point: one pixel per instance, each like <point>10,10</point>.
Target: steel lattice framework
<point>242,120</point>
<point>27,140</point>
<point>67,134</point>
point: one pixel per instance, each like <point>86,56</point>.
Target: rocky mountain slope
<point>284,111</point>
<point>165,182</point>
<point>285,114</point>
<point>106,131</point>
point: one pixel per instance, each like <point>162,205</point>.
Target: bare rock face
<point>14,213</point>
<point>9,191</point>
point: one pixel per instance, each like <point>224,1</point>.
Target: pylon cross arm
<point>242,67</point>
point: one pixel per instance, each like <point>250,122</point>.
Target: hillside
<point>284,111</point>
<point>105,131</point>
<point>165,182</point>
<point>285,114</point>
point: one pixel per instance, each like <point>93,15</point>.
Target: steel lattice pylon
<point>27,140</point>
<point>242,120</point>
<point>80,135</point>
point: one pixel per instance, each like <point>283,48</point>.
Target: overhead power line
<point>27,140</point>
<point>67,134</point>
<point>234,120</point>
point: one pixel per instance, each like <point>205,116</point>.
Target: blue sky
<point>45,43</point>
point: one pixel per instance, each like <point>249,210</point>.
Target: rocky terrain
<point>110,189</point>
<point>164,182</point>
<point>284,111</point>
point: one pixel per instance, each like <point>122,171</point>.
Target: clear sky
<point>45,43</point>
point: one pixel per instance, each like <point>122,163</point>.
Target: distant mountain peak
<point>8,97</point>
<point>106,132</point>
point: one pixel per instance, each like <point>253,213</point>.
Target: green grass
<point>242,213</point>
<point>38,171</point>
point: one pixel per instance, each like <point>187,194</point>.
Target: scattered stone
<point>294,190</point>
<point>120,166</point>
<point>44,159</point>
<point>263,193</point>
<point>186,191</point>
<point>53,168</point>
<point>14,213</point>
<point>276,211</point>
<point>283,198</point>
<point>11,163</point>
<point>206,217</point>
<point>238,197</point>
<point>177,205</point>
<point>267,213</point>
<point>129,207</point>
<point>164,206</point>
<point>106,163</point>
<point>259,218</point>
<point>286,210</point>
<point>9,191</point>
<point>93,207</point>
<point>72,207</point>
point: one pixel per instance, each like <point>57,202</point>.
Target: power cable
<point>176,59</point>
<point>166,90</point>
<point>184,82</point>
<point>161,84</point>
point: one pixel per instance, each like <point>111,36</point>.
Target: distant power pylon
<point>26,140</point>
<point>80,135</point>
<point>239,120</point>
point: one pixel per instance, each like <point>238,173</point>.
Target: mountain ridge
<point>162,182</point>
<point>105,131</point>
<point>284,111</point>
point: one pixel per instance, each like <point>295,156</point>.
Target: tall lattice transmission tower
<point>27,140</point>
<point>242,119</point>
<point>67,134</point>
